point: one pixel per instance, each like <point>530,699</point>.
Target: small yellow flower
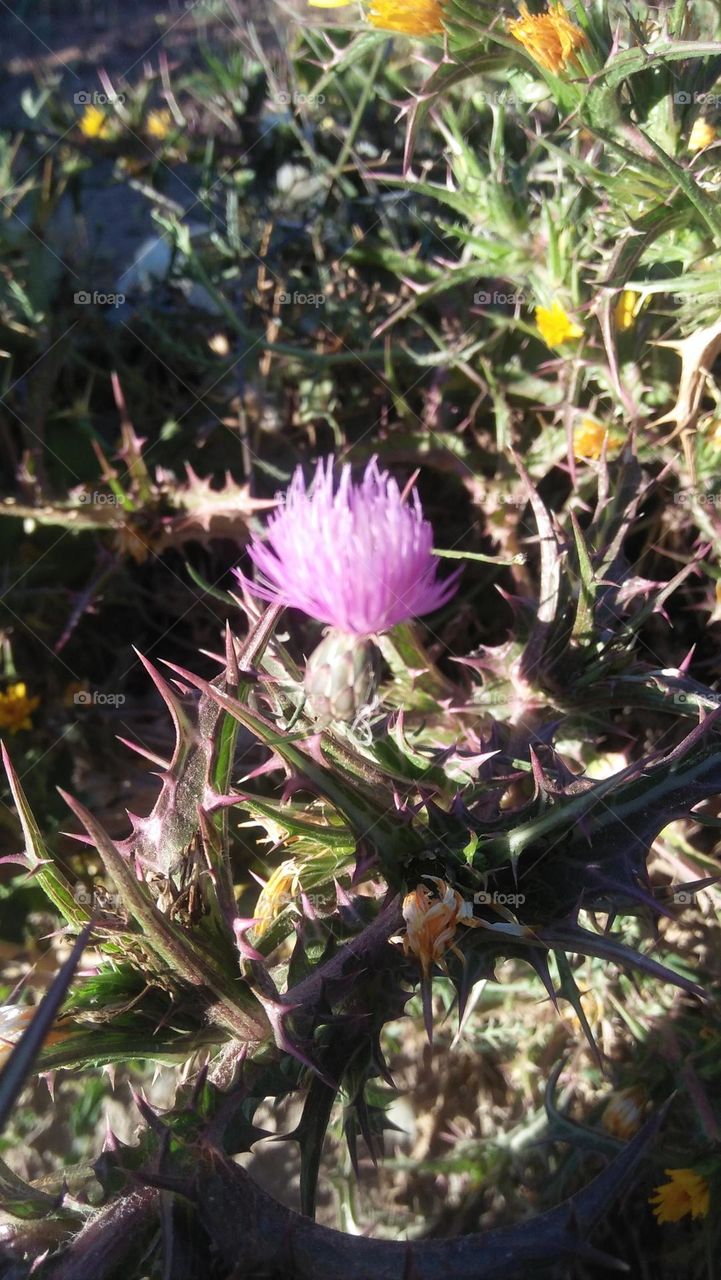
<point>550,37</point>
<point>94,123</point>
<point>16,708</point>
<point>410,17</point>
<point>589,438</point>
<point>627,308</point>
<point>714,434</point>
<point>623,1112</point>
<point>431,922</point>
<point>277,892</point>
<point>701,135</point>
<point>555,326</point>
<point>687,1192</point>
<point>159,123</point>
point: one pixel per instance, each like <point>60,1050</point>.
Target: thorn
<point>109,1069</point>
<point>232,674</point>
<point>141,751</point>
<point>49,1078</point>
<point>308,908</point>
<point>346,904</point>
<point>151,1117</point>
<point>111,1141</point>
<point>684,666</point>
<point>179,717</point>
<point>539,776</point>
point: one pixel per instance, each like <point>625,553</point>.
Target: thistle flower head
<point>355,556</point>
<point>551,38</point>
<point>431,922</point>
<point>687,1192</point>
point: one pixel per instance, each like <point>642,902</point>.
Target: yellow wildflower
<point>431,922</point>
<point>701,135</point>
<point>550,37</point>
<point>623,1112</point>
<point>410,17</point>
<point>94,123</point>
<point>687,1192</point>
<point>159,123</point>
<point>589,438</point>
<point>627,308</point>
<point>714,434</point>
<point>555,326</point>
<point>16,708</point>
<point>277,892</point>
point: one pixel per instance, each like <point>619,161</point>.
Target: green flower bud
<point>341,677</point>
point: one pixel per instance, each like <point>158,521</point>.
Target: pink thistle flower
<point>355,556</point>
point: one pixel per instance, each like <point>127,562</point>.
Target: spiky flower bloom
<point>556,326</point>
<point>16,708</point>
<point>552,40</point>
<point>358,557</point>
<point>409,17</point>
<point>687,1192</point>
<point>431,923</point>
<point>355,556</point>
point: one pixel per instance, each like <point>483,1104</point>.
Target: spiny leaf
<point>39,859</point>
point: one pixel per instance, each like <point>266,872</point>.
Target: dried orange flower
<point>687,1192</point>
<point>431,922</point>
<point>623,1112</point>
<point>550,37</point>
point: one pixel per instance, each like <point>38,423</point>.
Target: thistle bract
<point>355,556</point>
<point>341,677</point>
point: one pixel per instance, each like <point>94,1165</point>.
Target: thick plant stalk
<point>256,1235</point>
<point>112,1241</point>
